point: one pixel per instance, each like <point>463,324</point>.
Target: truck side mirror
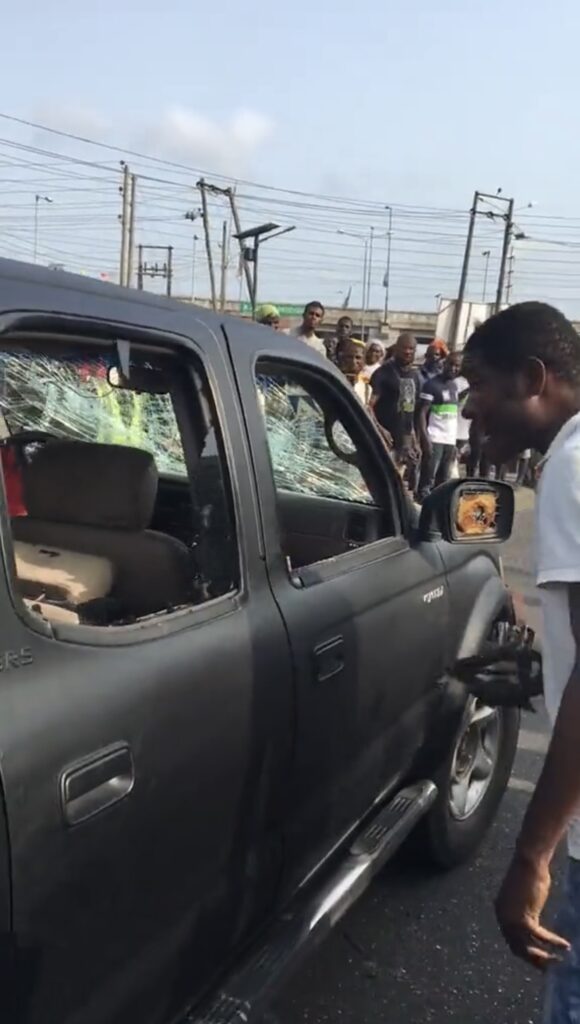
<point>468,512</point>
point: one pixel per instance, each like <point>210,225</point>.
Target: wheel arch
<point>492,602</point>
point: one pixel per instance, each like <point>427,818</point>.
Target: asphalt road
<point>423,948</point>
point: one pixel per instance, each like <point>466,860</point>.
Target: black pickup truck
<point>227,669</point>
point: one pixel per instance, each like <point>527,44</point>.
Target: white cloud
<point>206,143</point>
<point>227,146</point>
<point>73,118</point>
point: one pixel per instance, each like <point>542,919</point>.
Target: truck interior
<point>115,483</point>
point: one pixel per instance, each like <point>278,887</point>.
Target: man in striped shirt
<point>438,416</point>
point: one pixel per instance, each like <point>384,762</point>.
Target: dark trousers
<point>437,469</point>
<point>477,464</point>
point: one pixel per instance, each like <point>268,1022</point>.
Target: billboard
<point>284,309</point>
<point>472,314</point>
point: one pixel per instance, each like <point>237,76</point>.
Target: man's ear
<point>534,376</point>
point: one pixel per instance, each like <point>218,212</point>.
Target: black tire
<point>447,841</point>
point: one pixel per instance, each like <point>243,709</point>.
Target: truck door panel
<point>361,719</point>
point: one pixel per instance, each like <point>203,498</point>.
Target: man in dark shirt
<point>396,387</point>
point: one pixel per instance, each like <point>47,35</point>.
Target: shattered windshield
<point>72,398</point>
<point>302,459</point>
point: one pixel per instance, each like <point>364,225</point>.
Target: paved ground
<point>422,948</point>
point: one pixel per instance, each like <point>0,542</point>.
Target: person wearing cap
<point>436,353</point>
<point>374,356</point>
<point>268,315</point>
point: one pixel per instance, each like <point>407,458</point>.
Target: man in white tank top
<point>523,368</point>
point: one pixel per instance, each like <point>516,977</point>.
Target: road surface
<point>422,948</point>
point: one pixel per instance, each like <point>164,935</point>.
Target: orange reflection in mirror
<point>476,513</point>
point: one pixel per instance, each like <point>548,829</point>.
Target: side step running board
<point>246,993</point>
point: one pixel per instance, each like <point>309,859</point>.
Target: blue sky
<point>403,103</point>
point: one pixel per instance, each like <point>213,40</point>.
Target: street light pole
<point>370,267</point>
<point>38,199</point>
<point>387,277</point>
<point>486,253</point>
<point>250,254</point>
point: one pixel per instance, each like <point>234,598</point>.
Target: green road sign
<point>284,310</point>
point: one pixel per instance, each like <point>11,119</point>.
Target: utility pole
<point>486,254</point>
<point>224,266</point>
<point>131,232</point>
<point>192,215</point>
<point>510,276</point>
<point>124,189</point>
<point>230,195</point>
<point>38,199</point>
<point>202,188</point>
<point>193,254</point>
<point>507,237</point>
<point>363,314</point>
<point>164,270</point>
<point>238,231</point>
<point>464,272</point>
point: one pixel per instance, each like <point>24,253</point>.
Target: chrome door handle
<point>329,658</point>
<point>96,782</point>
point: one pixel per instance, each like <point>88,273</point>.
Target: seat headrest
<point>91,485</point>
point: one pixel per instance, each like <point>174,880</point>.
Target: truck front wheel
<point>471,783</point>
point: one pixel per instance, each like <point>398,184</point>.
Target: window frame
<point>65,332</point>
<point>387,485</point>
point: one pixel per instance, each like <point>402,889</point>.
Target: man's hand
<point>519,907</point>
<point>386,436</point>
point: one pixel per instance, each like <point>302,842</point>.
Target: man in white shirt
<point>312,317</point>
<point>523,368</point>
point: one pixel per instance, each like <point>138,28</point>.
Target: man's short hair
<point>313,305</point>
<point>528,330</point>
<point>344,320</point>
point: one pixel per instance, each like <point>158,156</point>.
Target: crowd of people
<point>418,409</point>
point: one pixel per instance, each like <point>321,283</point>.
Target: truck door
<point>142,741</point>
<point>364,615</point>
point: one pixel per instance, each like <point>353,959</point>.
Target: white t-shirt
<point>312,340</point>
<point>443,398</point>
<point>557,565</point>
<point>463,425</point>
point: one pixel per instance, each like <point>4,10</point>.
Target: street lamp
<point>38,199</point>
<point>263,233</point>
<point>486,254</point>
<point>367,261</point>
<point>368,265</point>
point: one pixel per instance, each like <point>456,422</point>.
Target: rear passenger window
<point>116,484</point>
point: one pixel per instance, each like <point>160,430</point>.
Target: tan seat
<point>98,501</point>
<point>61,575</point>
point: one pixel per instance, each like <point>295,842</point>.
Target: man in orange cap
<point>435,355</point>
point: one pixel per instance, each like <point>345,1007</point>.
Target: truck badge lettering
<point>16,659</point>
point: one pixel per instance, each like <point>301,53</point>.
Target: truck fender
<point>493,598</point>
